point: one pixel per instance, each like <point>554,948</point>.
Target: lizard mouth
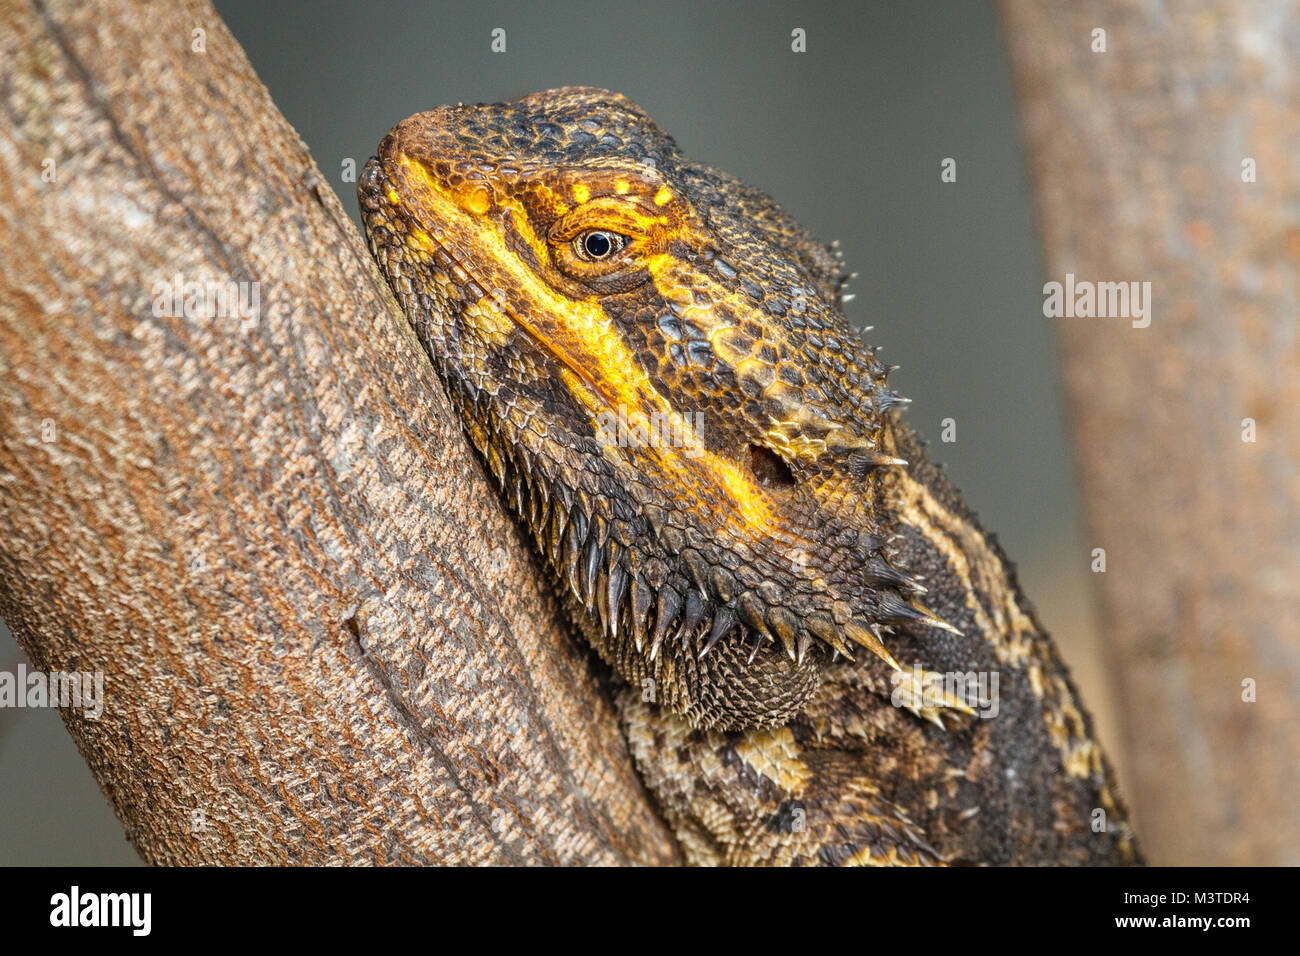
<point>380,189</point>
<point>383,201</point>
<point>379,184</point>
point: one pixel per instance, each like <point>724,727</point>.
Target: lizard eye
<point>596,245</point>
<point>602,244</point>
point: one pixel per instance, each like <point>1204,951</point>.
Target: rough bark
<point>314,621</point>
<point>1137,154</point>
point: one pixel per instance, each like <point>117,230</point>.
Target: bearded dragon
<point>652,360</point>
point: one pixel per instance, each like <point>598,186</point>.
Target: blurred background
<point>848,136</point>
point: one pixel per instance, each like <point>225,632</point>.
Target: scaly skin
<point>751,549</point>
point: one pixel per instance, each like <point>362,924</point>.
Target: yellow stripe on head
<point>599,368</point>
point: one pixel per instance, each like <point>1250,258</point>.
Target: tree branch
<point>1139,154</point>
<point>316,625</point>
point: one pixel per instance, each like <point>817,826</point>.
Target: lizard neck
<point>1026,706</point>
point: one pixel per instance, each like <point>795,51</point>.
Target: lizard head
<point>651,358</point>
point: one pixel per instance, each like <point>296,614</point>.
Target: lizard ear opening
<point>769,468</point>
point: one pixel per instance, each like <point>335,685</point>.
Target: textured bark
<point>1137,156</point>
<point>315,623</point>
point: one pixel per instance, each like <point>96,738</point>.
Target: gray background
<point>848,136</point>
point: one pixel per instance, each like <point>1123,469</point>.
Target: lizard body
<point>651,358</point>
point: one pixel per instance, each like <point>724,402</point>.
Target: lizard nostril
<point>475,197</point>
<point>768,467</point>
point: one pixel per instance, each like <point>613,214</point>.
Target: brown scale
<point>564,264</point>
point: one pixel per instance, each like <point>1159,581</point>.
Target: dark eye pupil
<point>597,244</point>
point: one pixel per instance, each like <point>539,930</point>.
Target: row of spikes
<point>884,398</point>
<point>576,542</point>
